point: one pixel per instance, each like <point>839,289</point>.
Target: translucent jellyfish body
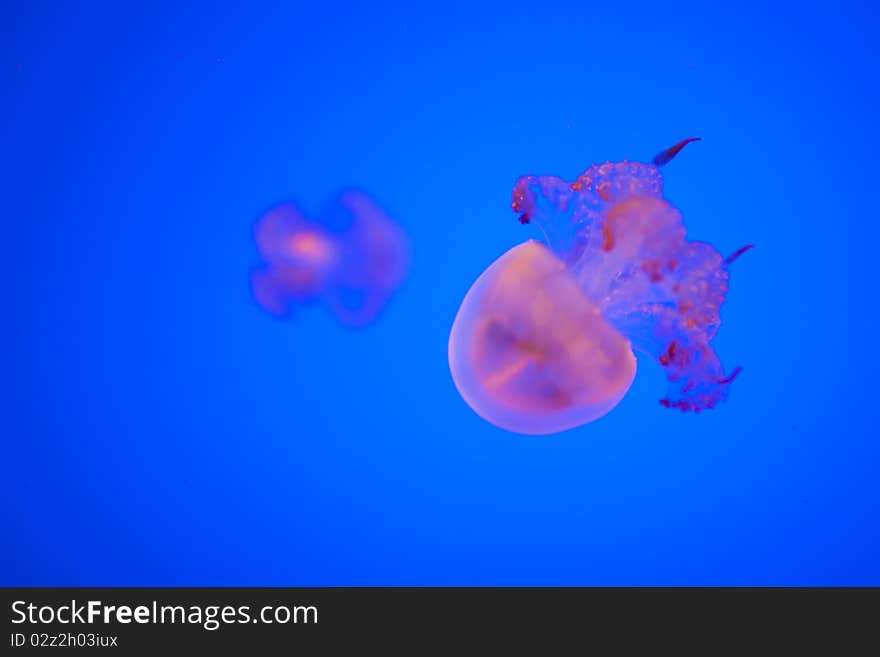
<point>352,259</point>
<point>544,339</point>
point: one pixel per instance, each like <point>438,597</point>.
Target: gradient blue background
<point>161,429</point>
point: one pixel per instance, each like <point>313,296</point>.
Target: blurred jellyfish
<point>544,339</point>
<point>353,259</point>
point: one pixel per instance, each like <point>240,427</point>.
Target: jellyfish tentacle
<point>730,377</point>
<point>665,157</point>
<point>736,254</point>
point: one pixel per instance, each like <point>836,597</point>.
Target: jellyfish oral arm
<point>627,248</point>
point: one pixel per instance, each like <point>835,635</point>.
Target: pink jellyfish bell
<point>530,353</point>
<point>544,339</point>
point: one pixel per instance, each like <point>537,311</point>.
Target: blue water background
<point>162,429</point>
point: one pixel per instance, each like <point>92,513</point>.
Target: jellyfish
<point>544,339</point>
<point>352,259</point>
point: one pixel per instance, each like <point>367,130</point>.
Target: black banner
<point>270,620</point>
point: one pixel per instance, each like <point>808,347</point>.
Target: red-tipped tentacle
<point>731,376</point>
<point>664,157</point>
<point>736,254</point>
